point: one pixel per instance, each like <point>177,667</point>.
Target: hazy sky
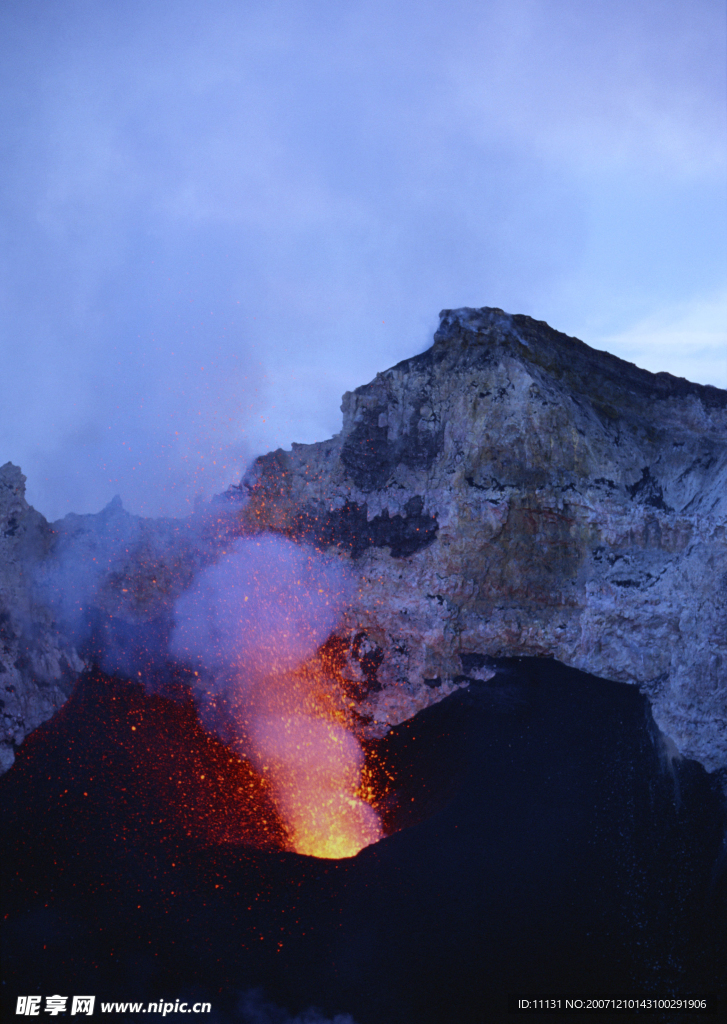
<point>216,217</point>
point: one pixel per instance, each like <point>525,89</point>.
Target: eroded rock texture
<point>511,491</point>
<point>508,492</point>
<point>37,665</point>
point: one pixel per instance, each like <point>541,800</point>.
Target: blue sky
<point>217,217</point>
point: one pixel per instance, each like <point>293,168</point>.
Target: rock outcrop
<point>508,492</point>
<point>38,667</point>
<point>511,491</point>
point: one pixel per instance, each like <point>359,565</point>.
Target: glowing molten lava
<point>299,734</point>
<point>258,627</point>
<point>315,768</point>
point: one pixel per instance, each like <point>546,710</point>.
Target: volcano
<point>537,843</point>
<point>483,627</point>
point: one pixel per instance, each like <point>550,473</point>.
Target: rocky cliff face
<point>508,492</point>
<point>38,667</point>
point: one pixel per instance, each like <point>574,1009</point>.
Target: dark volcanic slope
<point>559,854</point>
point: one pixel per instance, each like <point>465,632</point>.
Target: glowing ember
<point>256,627</point>
<point>315,767</point>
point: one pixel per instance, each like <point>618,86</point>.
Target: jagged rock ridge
<point>556,501</point>
<point>508,492</point>
<point>38,667</point>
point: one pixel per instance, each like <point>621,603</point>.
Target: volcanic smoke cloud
<point>251,625</point>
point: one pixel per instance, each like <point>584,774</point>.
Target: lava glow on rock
<point>145,759</point>
<point>316,772</point>
<point>257,626</point>
<point>144,858</point>
<point>298,732</point>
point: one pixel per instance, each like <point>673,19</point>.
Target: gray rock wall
<point>508,492</point>
<point>513,492</point>
<point>37,665</point>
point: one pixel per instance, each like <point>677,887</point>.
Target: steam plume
<point>262,609</point>
<point>251,623</point>
<point>247,617</point>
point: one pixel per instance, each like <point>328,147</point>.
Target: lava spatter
<point>256,625</point>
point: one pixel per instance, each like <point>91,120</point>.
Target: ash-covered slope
<point>508,492</point>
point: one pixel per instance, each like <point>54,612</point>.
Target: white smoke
<point>247,630</point>
<point>247,625</point>
<point>263,609</point>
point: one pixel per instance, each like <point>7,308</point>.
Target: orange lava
<point>300,737</point>
<point>315,770</point>
<point>148,766</point>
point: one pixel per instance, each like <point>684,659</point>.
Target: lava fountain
<point>301,738</point>
<point>315,768</point>
<point>253,625</point>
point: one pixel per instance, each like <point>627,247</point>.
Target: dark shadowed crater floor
<point>549,847</point>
